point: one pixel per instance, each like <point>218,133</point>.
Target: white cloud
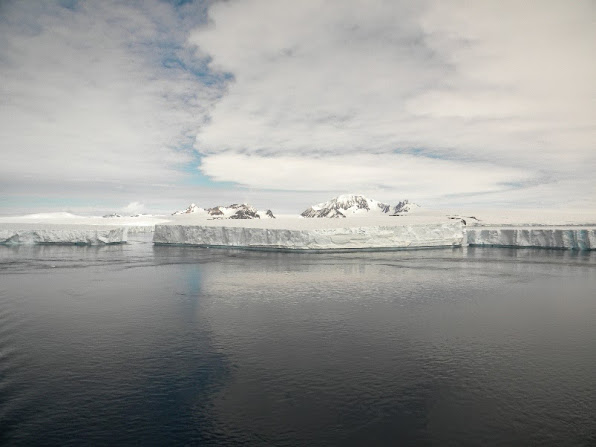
<point>433,100</point>
<point>134,208</point>
<point>495,87</point>
<point>413,176</point>
<point>87,93</point>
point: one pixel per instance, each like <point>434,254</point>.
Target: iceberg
<point>62,234</point>
<point>338,238</point>
<point>562,238</point>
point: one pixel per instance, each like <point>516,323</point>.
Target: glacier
<point>562,238</point>
<point>62,234</point>
<point>338,238</point>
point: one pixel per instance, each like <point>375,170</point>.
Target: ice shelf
<point>140,229</point>
<point>564,238</point>
<point>61,234</point>
<point>357,237</point>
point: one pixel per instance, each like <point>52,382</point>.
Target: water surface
<point>137,344</point>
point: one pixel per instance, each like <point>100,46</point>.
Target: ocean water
<point>145,345</point>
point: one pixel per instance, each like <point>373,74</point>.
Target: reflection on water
<point>175,345</point>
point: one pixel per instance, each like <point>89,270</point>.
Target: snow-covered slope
<point>349,205</point>
<point>267,214</point>
<point>373,237</point>
<point>192,208</point>
<point>62,234</point>
<point>405,206</point>
<point>46,217</point>
<point>234,211</point>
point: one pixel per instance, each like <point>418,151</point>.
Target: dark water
<point>148,345</point>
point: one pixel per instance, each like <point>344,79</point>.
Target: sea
<point>138,344</point>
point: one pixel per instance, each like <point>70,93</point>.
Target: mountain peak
<point>347,205</point>
<point>233,211</point>
<point>192,208</point>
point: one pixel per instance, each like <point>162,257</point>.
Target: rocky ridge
<point>233,211</point>
<point>354,204</point>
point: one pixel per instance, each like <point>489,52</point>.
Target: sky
<point>147,106</point>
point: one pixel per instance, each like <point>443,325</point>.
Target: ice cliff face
<point>376,237</point>
<point>63,234</point>
<point>234,211</point>
<point>353,204</point>
<point>563,238</point>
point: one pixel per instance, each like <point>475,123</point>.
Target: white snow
<point>234,211</point>
<point>137,221</point>
<point>347,205</point>
<point>570,229</point>
<point>61,234</point>
<point>565,238</point>
<point>356,205</point>
<point>425,228</point>
<point>405,207</point>
<point>192,208</point>
<point>58,216</point>
<point>323,238</point>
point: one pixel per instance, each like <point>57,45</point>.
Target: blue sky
<point>151,105</point>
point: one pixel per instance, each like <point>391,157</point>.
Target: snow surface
<point>334,238</point>
<point>137,221</point>
<point>543,237</point>
<point>61,234</point>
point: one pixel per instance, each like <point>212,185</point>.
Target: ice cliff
<point>63,234</point>
<point>373,237</point>
<point>564,238</point>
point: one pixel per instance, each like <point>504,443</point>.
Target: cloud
<point>97,92</point>
<point>381,173</point>
<point>325,92</point>
<point>112,102</point>
<point>134,208</point>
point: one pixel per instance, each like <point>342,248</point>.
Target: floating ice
<point>364,237</point>
<point>565,238</point>
<point>62,234</point>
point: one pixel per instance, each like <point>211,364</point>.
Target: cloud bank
<point>97,91</point>
<point>443,102</point>
<point>434,98</point>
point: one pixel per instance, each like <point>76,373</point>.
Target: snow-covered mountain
<point>234,211</point>
<point>404,206</point>
<point>348,205</point>
<point>192,208</point>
